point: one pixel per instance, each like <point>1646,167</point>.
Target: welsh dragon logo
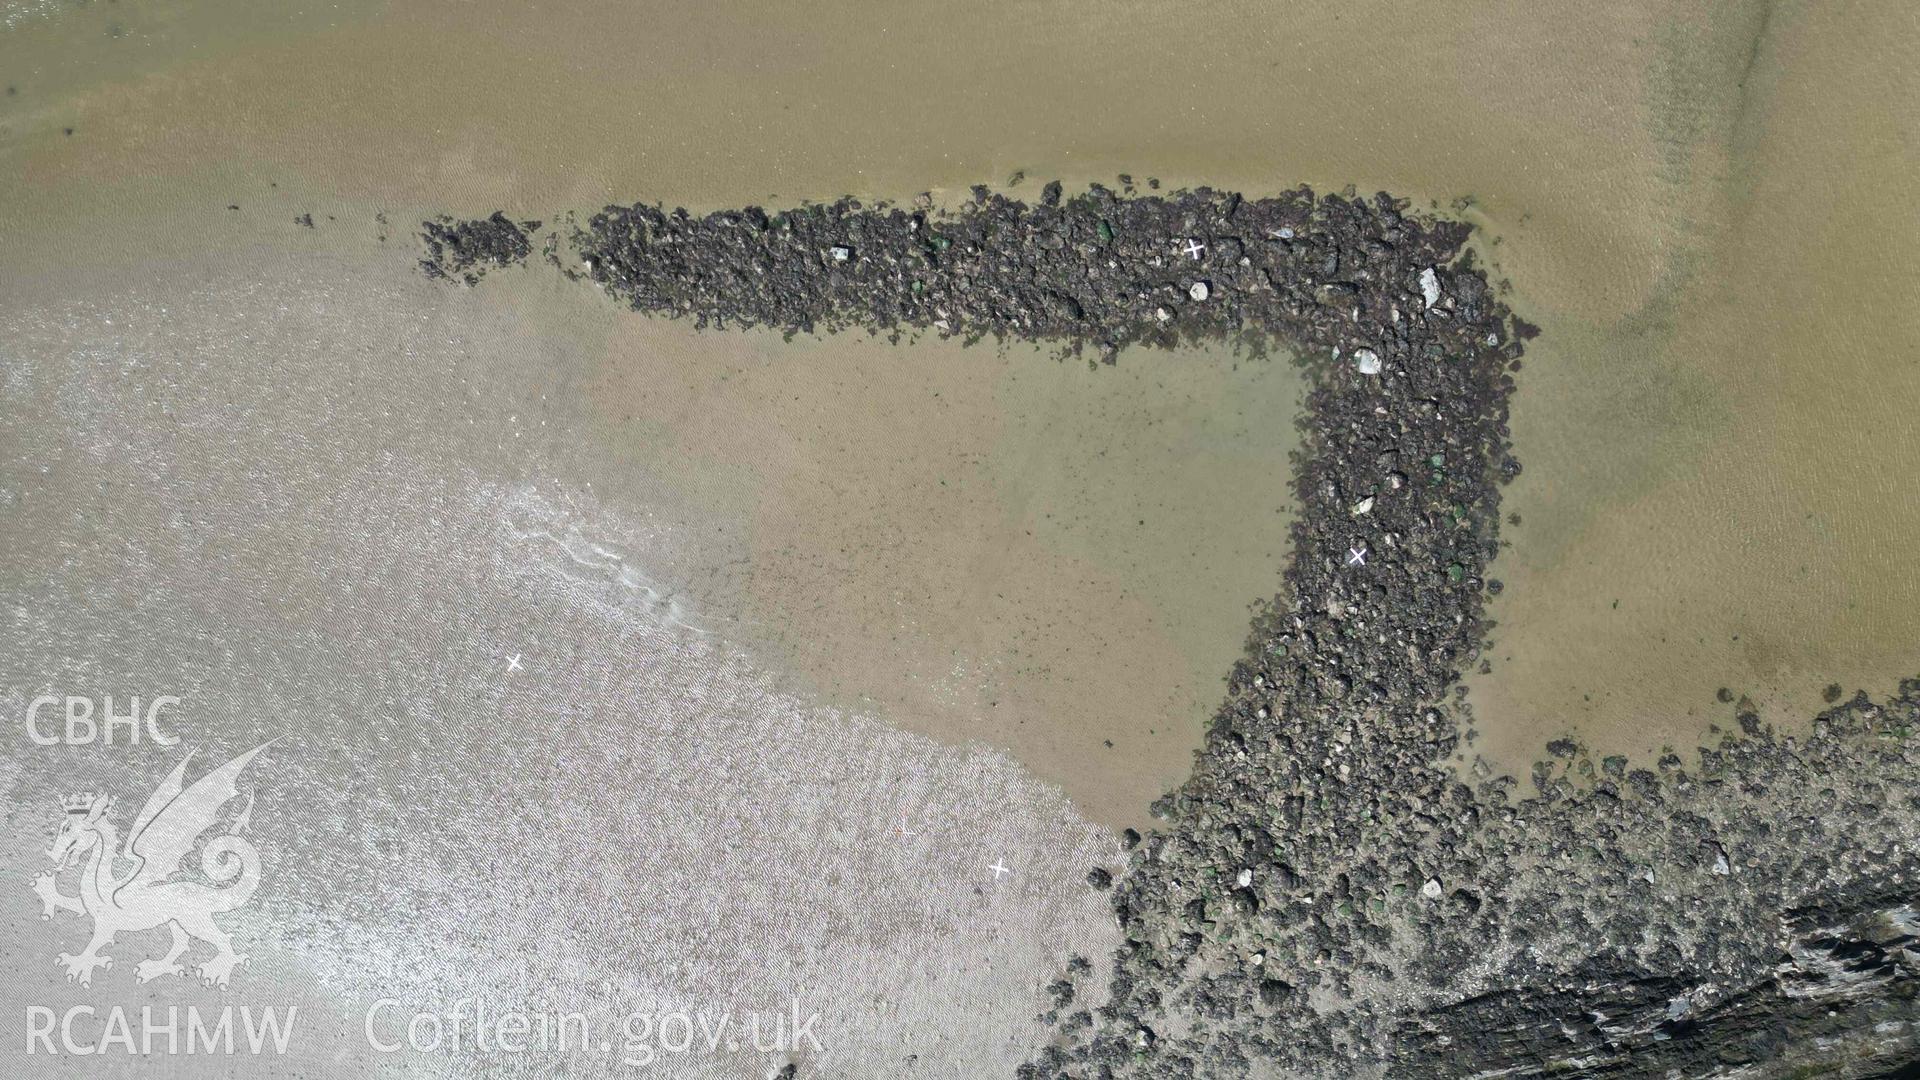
<point>149,893</point>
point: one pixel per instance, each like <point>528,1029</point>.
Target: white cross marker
<point>1195,248</point>
<point>1357,556</point>
<point>902,830</point>
<point>513,662</point>
<point>998,870</point>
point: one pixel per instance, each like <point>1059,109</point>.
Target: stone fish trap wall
<point>1327,898</point>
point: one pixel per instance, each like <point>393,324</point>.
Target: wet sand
<point>334,504</point>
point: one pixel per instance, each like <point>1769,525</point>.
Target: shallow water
<point>981,544</point>
<point>1001,547</point>
<point>1721,449</point>
<point>1706,212</point>
<point>1703,213</point>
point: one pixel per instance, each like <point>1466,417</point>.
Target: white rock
<point>1430,286</point>
<point>1245,879</point>
<point>842,254</point>
<point>1199,290</point>
<point>1363,505</point>
<point>1431,890</point>
<point>1367,361</point>
<point>1162,314</point>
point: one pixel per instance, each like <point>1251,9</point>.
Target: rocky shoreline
<point>1326,897</point>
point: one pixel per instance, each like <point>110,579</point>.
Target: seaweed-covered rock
<point>465,250</point>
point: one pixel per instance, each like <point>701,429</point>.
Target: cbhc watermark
<point>84,726</point>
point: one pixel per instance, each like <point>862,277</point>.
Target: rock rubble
<point>1325,896</point>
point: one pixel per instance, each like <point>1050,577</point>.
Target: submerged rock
<point>466,250</point>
